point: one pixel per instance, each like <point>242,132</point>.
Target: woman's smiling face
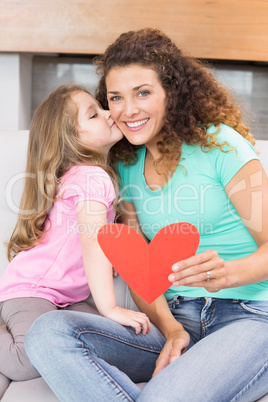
<point>137,102</point>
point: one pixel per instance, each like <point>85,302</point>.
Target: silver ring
<point>208,274</point>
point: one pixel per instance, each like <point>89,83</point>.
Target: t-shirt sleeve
<point>84,183</point>
<point>236,154</point>
<point>124,182</point>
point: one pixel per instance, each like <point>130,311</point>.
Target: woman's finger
<point>196,259</point>
<point>198,273</point>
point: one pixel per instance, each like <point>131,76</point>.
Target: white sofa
<point>12,165</point>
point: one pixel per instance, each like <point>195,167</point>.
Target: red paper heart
<point>145,267</point>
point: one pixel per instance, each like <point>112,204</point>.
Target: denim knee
<point>39,331</point>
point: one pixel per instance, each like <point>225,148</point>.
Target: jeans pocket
<point>174,303</point>
<point>255,307</point>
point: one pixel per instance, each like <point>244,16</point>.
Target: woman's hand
<point>139,321</point>
<point>176,344</point>
<point>206,270</point>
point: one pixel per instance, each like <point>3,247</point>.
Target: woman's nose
<point>131,108</point>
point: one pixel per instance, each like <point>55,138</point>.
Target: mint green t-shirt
<point>196,194</point>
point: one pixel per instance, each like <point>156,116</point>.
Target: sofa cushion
<point>13,153</point>
<point>35,390</point>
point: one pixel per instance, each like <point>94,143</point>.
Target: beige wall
<point>219,29</point>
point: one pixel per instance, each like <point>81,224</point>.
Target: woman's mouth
<point>136,124</point>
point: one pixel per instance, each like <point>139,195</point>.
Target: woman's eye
<point>144,93</point>
<point>93,116</point>
<point>115,98</point>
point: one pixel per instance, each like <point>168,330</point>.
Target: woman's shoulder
<point>233,152</point>
<point>227,134</point>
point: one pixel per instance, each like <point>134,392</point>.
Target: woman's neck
<point>152,151</point>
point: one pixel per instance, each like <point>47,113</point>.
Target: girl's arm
<point>158,311</point>
<point>91,215</point>
<point>248,192</point>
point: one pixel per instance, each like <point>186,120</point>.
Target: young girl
<point>68,195</point>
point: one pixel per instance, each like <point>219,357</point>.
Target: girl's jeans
<point>85,357</point>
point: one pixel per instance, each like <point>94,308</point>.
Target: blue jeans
<point>85,357</point>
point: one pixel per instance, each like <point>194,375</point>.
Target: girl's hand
<point>206,270</point>
<point>139,321</point>
<point>175,346</point>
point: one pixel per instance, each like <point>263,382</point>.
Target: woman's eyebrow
<point>142,85</point>
<point>134,89</point>
<point>113,92</point>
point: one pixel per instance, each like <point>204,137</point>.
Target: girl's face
<point>96,128</point>
<point>137,102</point>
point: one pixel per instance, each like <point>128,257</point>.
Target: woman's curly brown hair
<point>195,99</point>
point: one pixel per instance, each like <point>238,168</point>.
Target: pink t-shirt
<point>54,269</point>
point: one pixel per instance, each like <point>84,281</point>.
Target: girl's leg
<point>87,357</point>
<point>18,315</point>
<point>83,307</point>
<point>229,363</point>
<point>4,381</point>
<point>4,384</point>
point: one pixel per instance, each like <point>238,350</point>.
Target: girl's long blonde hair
<point>53,148</point>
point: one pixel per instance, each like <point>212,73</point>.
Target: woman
<point>186,156</point>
